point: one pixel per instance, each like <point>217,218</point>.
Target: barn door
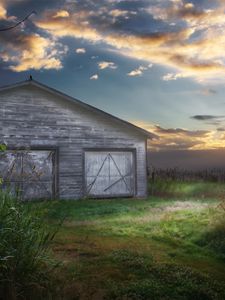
<point>109,174</point>
<point>29,173</point>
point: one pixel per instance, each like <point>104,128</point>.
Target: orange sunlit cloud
<point>202,59</point>
<point>183,139</point>
<point>39,55</point>
<point>3,12</point>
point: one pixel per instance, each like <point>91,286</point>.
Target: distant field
<point>197,189</point>
<point>158,248</point>
<point>184,183</point>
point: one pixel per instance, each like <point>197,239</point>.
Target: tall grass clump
<point>25,261</point>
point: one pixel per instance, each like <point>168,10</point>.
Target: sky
<point>159,64</point>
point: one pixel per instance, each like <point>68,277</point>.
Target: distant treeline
<point>213,175</point>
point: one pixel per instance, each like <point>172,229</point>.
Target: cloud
<point>94,77</point>
<point>21,49</point>
<point>200,58</point>
<point>23,52</point>
<point>208,92</point>
<point>183,139</point>
<point>177,144</point>
<point>107,64</point>
<point>220,129</point>
<point>80,50</point>
<point>192,47</point>
<point>178,9</point>
<point>189,5</point>
<point>64,27</point>
<point>180,131</point>
<point>171,76</point>
<point>177,138</point>
<point>3,12</point>
<point>206,117</point>
<point>118,13</point>
<point>61,14</point>
<point>41,55</point>
<point>138,71</point>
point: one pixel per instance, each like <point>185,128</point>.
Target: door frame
<point>108,149</point>
<point>55,163</point>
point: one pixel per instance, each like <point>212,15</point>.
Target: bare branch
<point>18,23</point>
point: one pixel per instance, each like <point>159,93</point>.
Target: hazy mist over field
<point>186,159</point>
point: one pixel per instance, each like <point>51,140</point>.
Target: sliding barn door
<point>30,174</point>
<point>109,174</point>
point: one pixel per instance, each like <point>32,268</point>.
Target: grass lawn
<point>158,248</point>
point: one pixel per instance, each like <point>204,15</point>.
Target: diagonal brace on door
<point>37,176</point>
<point>23,170</point>
<point>122,177</point>
<point>115,182</point>
<point>99,171</point>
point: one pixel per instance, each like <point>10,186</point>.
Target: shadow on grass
<point>152,280</point>
<point>214,237</point>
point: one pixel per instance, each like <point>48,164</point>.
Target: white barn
<point>60,147</point>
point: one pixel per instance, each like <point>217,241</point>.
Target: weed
<point>25,263</point>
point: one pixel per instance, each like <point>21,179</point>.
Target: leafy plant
<point>25,263</point>
<point>2,148</point>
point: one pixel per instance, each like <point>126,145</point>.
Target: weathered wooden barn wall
<point>32,117</point>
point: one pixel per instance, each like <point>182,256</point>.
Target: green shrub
<point>25,264</point>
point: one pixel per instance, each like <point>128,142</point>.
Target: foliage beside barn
<point>26,265</point>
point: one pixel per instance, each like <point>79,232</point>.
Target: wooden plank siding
<point>31,117</point>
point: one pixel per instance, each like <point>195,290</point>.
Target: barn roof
<point>80,103</point>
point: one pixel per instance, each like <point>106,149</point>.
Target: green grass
<point>196,189</point>
<point>158,248</point>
